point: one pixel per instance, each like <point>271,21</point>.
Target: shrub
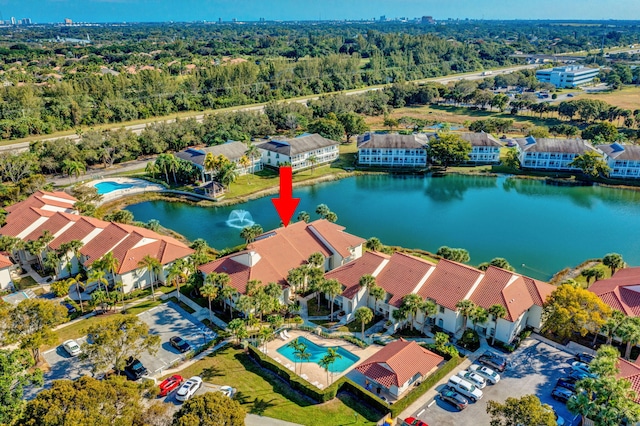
<point>470,340</point>
<point>60,288</point>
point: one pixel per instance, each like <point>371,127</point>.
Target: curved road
<point>138,128</point>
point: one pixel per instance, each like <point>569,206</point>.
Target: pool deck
<point>312,371</point>
<point>138,186</point>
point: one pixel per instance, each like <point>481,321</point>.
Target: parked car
<point>495,361</point>
<point>188,388</point>
<point>180,344</point>
<point>70,308</point>
<point>569,95</point>
<point>491,376</point>
<point>567,383</point>
<point>580,366</point>
<point>169,384</point>
<point>455,399</point>
<point>584,357</point>
<point>134,369</point>
<point>561,394</point>
<point>412,421</point>
<point>72,347</point>
<point>226,391</point>
<point>474,378</point>
<point>580,375</point>
<point>466,388</point>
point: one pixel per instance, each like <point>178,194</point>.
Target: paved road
<point>97,172</point>
<point>138,128</point>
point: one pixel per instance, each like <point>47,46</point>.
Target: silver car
<point>491,376</point>
<point>72,347</point>
<point>188,388</point>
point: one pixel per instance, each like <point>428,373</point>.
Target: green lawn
<point>25,282</point>
<point>260,392</point>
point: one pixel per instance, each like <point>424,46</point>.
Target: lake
<point>540,229</point>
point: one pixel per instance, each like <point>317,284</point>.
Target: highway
<point>138,128</point>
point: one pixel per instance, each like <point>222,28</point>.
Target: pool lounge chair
<point>286,334</point>
<point>304,376</point>
<point>282,336</point>
<point>320,385</point>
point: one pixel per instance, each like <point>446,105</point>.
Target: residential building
<point>5,272</point>
<point>485,149</point>
<point>621,291</point>
<point>399,365</point>
<point>630,371</point>
<point>232,150</point>
<point>567,76</point>
<point>272,255</point>
<point>392,150</point>
<point>304,151</point>
<point>445,283</point>
<point>624,160</point>
<point>48,211</point>
<point>550,154</point>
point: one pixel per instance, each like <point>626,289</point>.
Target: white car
<point>188,388</point>
<point>580,366</point>
<point>491,376</point>
<point>474,378</point>
<point>226,391</point>
<point>72,347</point>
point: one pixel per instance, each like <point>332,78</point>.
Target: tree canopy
<point>526,410</point>
<point>210,409</point>
<point>448,149</point>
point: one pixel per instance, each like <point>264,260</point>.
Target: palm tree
<point>97,276</point>
<point>172,166</point>
<point>367,281</point>
<point>322,210</point>
<point>296,278</point>
<point>244,304</point>
<point>72,167</point>
<point>373,244</point>
<point>316,260</point>
<point>264,334</point>
<point>296,345</point>
<point>209,291</point>
<point>313,160</point>
<point>333,288</point>
<point>614,261</point>
<point>465,308</point>
<point>154,267</point>
<point>209,163</point>
<point>238,328</point>
<point>377,293</point>
<point>109,263</point>
<point>151,169</point>
<point>611,326</point>
<point>497,311</point>
<point>77,281</point>
<point>228,293</point>
<point>302,354</point>
<point>227,174</point>
<point>411,303</point>
<point>244,162</point>
<point>479,316</point>
<point>331,356</point>
<point>399,315</point>
<point>176,274</point>
<point>303,217</point>
<point>629,332</point>
<point>252,153</point>
<point>429,309</point>
<point>364,315</point>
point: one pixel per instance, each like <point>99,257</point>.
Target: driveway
<point>166,320</point>
<point>533,369</point>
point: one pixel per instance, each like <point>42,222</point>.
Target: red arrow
<point>285,204</point>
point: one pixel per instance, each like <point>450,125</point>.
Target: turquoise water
<point>107,187</point>
<point>540,229</point>
<point>317,352</point>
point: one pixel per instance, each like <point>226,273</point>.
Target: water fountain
<point>240,219</point>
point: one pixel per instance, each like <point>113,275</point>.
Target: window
<point>442,309</point>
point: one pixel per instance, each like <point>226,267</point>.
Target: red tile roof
<point>349,275</point>
<point>57,201</point>
<point>403,275</point>
<point>5,262</point>
<point>398,362</point>
<point>630,372</point>
<point>333,234</point>
<point>621,291</point>
<point>276,252</point>
<point>449,283</point>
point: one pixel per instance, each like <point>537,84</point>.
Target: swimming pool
<point>109,186</point>
<point>317,352</point>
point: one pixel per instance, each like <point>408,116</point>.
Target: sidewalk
<point>255,420</point>
<point>198,311</point>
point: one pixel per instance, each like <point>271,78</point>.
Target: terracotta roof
<point>630,372</point>
<point>449,283</point>
<point>299,145</point>
<point>239,274</point>
<point>403,275</point>
<point>349,275</point>
<point>19,222</point>
<point>621,291</point>
<point>273,254</point>
<point>392,141</point>
<point>56,201</point>
<point>5,262</point>
<point>78,231</point>
<point>54,224</point>
<point>398,362</point>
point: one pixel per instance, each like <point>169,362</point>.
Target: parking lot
<point>166,320</point>
<point>533,369</point>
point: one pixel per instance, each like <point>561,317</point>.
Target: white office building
<point>568,76</point>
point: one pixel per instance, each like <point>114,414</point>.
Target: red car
<point>170,384</point>
<point>411,421</point>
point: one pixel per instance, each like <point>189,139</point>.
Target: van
<point>465,388</point>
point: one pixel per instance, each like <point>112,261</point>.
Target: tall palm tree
<point>172,166</point>
<point>331,357</point>
<point>367,281</point>
<point>252,153</point>
<point>209,163</point>
<point>363,315</point>
<point>296,345</point>
<point>466,308</point>
<point>96,275</point>
<point>313,160</point>
<point>429,309</point>
<point>244,162</point>
<point>303,354</point>
<point>154,267</point>
<point>264,334</point>
<point>151,169</point>
<point>412,304</point>
<point>629,332</point>
<point>77,281</point>
<point>177,273</point>
<point>377,293</point>
<point>497,311</point>
<point>316,260</point>
<point>228,174</point>
<point>244,304</point>
<point>303,217</point>
<point>479,316</point>
<point>611,326</point>
<point>210,291</point>
<point>333,288</point>
<point>109,263</point>
<point>228,293</point>
<point>296,278</point>
<point>399,315</point>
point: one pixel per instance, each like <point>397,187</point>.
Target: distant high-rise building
<point>234,20</point>
<point>262,19</point>
<point>383,18</point>
<point>428,20</point>
<point>13,20</point>
<point>219,20</point>
<point>68,21</point>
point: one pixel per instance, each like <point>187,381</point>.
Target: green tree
<point>60,288</point>
<point>591,164</point>
<point>479,316</point>
<point>412,304</point>
<point>304,217</point>
<point>15,375</point>
<point>448,149</point>
<point>497,311</point>
<point>363,315</point>
<point>238,328</point>
<point>367,281</point>
<point>610,327</point>
<point>454,254</point>
<point>97,275</point>
<point>511,159</point>
<point>329,359</point>
<point>210,409</point>
<point>595,272</point>
<point>333,288</point>
<point>377,293</point>
<point>154,267</point>
<point>210,291</point>
<point>120,216</point>
<point>228,293</point>
<point>74,168</point>
<point>327,128</point>
<point>570,310</point>
<point>77,281</point>
<point>466,308</point>
<point>31,324</point>
<point>373,244</point>
<point>322,210</point>
<point>354,124</point>
<point>116,339</point>
<point>629,333</point>
<point>613,261</point>
<point>607,131</point>
<point>526,410</point>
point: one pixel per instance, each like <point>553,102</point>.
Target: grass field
<point>627,98</point>
<point>262,393</point>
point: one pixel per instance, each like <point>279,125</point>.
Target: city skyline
<point>47,11</point>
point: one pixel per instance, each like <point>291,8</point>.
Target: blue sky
<point>210,10</point>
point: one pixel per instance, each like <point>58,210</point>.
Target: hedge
<point>327,394</point>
